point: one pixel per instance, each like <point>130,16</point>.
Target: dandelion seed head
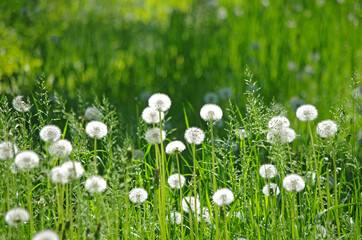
<point>50,133</point>
<point>242,133</point>
<point>16,216</point>
<point>293,182</point>
<point>175,147</point>
<point>211,98</point>
<point>295,103</point>
<point>138,195</point>
<point>268,171</point>
<point>194,135</point>
<point>59,175</point>
<point>138,154</point>
<point>60,149</point>
<point>271,189</point>
<point>321,232</point>
<point>96,129</point>
<point>283,135</point>
<point>226,93</point>
<point>150,115</point>
<point>13,168</point>
<point>7,150</point>
<point>153,136</point>
<point>73,169</point>
<point>205,215</point>
<point>222,13</point>
<point>175,217</point>
<point>26,160</point>
<point>46,235</point>
<point>174,181</point>
<point>189,203</point>
<point>307,113</point>
<point>278,122</point>
<point>223,197</point>
<point>159,102</point>
<point>211,112</point>
<point>19,105</point>
<point>93,114</point>
<point>95,184</point>
<point>292,66</point>
<point>327,128</point>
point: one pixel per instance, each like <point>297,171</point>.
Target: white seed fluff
<point>60,149</point>
<point>74,170</point>
<point>150,115</point>
<point>279,122</point>
<point>271,189</point>
<point>194,135</point>
<point>242,133</point>
<point>205,215</point>
<point>189,203</point>
<point>175,147</point>
<point>92,113</point>
<point>327,128</point>
<point>268,171</point>
<point>223,197</point>
<point>159,102</point>
<point>19,105</point>
<point>46,235</point>
<point>96,129</point>
<point>153,136</point>
<point>211,112</point>
<point>16,216</point>
<point>282,135</point>
<point>7,150</point>
<point>59,175</point>
<point>293,182</point>
<point>174,181</point>
<point>50,133</point>
<point>321,232</point>
<point>307,113</point>
<point>138,195</point>
<point>95,184</point>
<point>26,160</point>
<point>175,217</point>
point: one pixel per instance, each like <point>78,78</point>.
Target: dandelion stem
<point>336,196</point>
<point>30,203</point>
<point>181,210</point>
<point>95,155</point>
<point>195,191</point>
<point>214,178</point>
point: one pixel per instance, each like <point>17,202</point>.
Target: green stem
<point>181,197</point>
<point>162,158</point>
<point>195,188</point>
<point>30,203</point>
<point>336,197</point>
<point>214,179</point>
<point>95,155</point>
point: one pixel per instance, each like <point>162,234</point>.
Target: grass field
<point>254,59</point>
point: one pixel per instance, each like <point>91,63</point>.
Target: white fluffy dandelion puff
<point>92,113</point>
<point>194,135</point>
<point>175,147</point>
<point>327,128</point>
<point>271,189</point>
<point>138,195</point>
<point>59,175</point>
<point>16,216</point>
<point>174,181</point>
<point>189,203</point>
<point>50,133</point>
<point>175,217</point>
<point>26,160</point>
<point>242,133</point>
<point>73,169</point>
<point>307,113</point>
<point>19,105</point>
<point>211,98</point>
<point>283,135</point>
<point>223,197</point>
<point>7,150</point>
<point>268,171</point>
<point>211,112</point>
<point>60,149</point>
<point>205,215</point>
<point>293,182</point>
<point>159,102</point>
<point>321,232</point>
<point>95,184</point>
<point>279,122</point>
<point>96,129</point>
<point>226,93</point>
<point>153,136</point>
<point>150,115</point>
<point>46,235</point>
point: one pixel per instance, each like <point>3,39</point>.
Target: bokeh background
<point>128,49</point>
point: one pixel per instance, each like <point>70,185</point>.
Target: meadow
<point>180,120</point>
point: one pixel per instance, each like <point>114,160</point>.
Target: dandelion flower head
<point>59,175</point>
<point>327,128</point>
<point>50,133</point>
<point>189,203</point>
<point>19,105</point>
<point>73,169</point>
<point>271,189</point>
<point>268,171</point>
<point>194,135</point>
<point>279,122</point>
<point>283,135</point>
<point>138,195</point>
<point>321,232</point>
<point>150,115</point>
<point>211,112</point>
<point>223,197</point>
<point>242,133</point>
<point>159,102</point>
<point>60,149</point>
<point>46,235</point>
<point>153,136</point>
<point>175,217</point>
<point>211,98</point>
<point>26,160</point>
<point>307,113</point>
<point>7,150</point>
<point>175,180</point>
<point>175,147</point>
<point>96,129</point>
<point>93,114</point>
<point>226,93</point>
<point>293,182</point>
<point>205,215</point>
<point>16,216</point>
<point>95,184</point>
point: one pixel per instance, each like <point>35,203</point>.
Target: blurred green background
<point>127,49</point>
